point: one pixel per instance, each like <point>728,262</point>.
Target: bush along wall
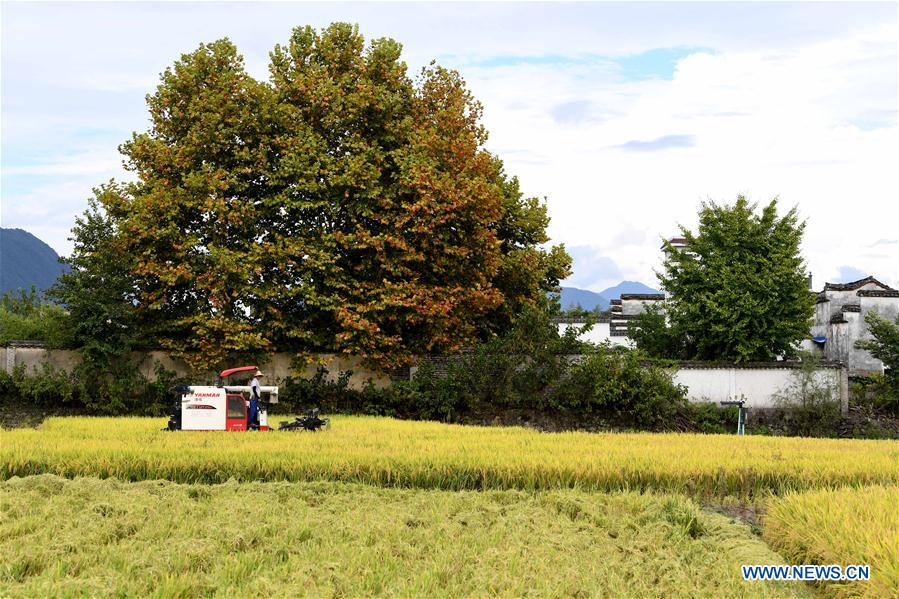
<point>85,391</point>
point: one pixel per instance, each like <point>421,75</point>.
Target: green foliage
<point>509,371</point>
<point>884,345</point>
<point>100,293</point>
<point>654,336</point>
<point>342,207</point>
<point>531,368</point>
<point>27,316</point>
<point>878,392</point>
<point>48,387</point>
<point>579,311</point>
<point>615,381</point>
<point>707,417</point>
<point>110,394</point>
<point>527,270</point>
<point>810,402</point>
<point>320,390</point>
<point>739,289</point>
<point>885,342</point>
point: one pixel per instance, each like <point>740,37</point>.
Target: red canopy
<point>231,371</point>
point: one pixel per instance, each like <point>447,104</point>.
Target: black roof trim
<point>642,296</point>
<point>779,364</point>
<point>855,285</point>
<point>578,319</point>
<point>24,343</point>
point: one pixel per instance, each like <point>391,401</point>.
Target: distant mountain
<point>588,300</point>
<point>627,287</point>
<point>25,260</point>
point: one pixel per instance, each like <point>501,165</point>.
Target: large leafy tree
<point>738,290</point>
<point>191,219</point>
<point>341,206</point>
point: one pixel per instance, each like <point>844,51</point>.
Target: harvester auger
<point>309,421</point>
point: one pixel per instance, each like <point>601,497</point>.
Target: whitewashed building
<point>840,321</point>
<point>613,329</point>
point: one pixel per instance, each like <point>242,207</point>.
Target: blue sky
<point>624,116</point>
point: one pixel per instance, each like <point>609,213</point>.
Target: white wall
<point>276,366</point>
<point>598,334</point>
<point>757,386</point>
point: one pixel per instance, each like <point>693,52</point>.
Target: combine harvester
<point>224,407</point>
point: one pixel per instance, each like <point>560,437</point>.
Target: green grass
<point>844,526</point>
<point>90,537</point>
<point>393,453</point>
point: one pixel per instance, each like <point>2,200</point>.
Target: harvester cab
<point>222,407</point>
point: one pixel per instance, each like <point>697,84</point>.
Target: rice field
<point>381,507</point>
<point>100,538</point>
<point>427,455</point>
<point>843,526</point>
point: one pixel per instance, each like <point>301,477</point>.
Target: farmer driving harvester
<point>255,398</point>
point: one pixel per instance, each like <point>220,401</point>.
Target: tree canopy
<point>883,344</point>
<point>340,206</point>
<point>738,290</point>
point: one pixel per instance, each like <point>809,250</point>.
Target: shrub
<point>616,382</point>
<point>707,417</point>
<point>118,393</point>
<point>810,404</point>
<point>297,393</point>
<point>47,387</point>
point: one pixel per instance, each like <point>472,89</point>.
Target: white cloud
<point>105,161</point>
<point>763,123</point>
<point>793,99</point>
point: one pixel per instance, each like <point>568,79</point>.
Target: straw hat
<point>258,373</point>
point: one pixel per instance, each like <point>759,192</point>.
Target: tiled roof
<point>851,308</point>
<point>877,293</point>
<point>578,319</point>
<point>23,343</point>
<point>785,364</point>
<point>642,296</point>
<point>855,285</point>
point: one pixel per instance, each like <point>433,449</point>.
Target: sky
<point>625,117</point>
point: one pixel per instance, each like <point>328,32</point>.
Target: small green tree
<point>884,346</point>
<point>739,288</point>
<point>810,401</point>
<point>100,295</point>
<point>885,343</point>
<point>652,334</point>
